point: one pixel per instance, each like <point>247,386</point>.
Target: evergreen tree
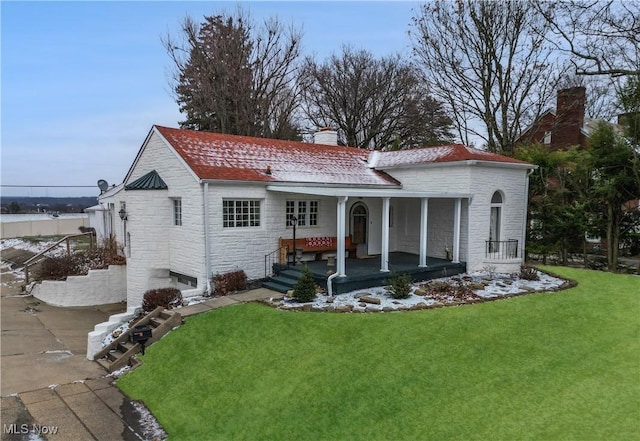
<point>232,77</point>
<point>305,289</point>
<point>558,195</point>
<point>614,163</point>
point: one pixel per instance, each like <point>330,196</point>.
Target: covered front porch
<point>365,273</point>
<point>390,226</point>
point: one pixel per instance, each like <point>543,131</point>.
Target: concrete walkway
<point>253,295</point>
<point>49,388</point>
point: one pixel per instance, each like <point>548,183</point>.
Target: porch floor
<point>365,273</point>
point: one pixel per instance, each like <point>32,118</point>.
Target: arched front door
<point>359,223</point>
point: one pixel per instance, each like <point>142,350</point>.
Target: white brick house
<point>195,204</point>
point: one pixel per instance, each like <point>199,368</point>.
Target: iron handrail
<point>32,260</point>
<point>275,257</point>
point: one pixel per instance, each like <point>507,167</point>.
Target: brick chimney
<point>569,117</point>
<point>325,136</point>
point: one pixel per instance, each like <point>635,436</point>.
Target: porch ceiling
<point>365,192</point>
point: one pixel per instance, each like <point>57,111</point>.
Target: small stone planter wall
<point>101,330</point>
<point>99,287</point>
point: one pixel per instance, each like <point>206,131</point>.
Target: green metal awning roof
<point>150,181</point>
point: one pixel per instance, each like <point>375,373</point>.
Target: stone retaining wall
<point>99,287</point>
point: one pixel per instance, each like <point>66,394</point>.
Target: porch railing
<point>275,258</point>
<point>501,249</point>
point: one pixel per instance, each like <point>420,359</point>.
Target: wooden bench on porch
<point>317,245</point>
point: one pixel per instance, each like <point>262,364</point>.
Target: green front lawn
<point>552,366</point>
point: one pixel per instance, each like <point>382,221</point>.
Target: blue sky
<point>83,82</point>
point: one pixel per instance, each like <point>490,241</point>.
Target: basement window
<point>183,279</point>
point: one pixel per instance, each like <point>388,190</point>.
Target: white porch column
<point>456,230</point>
<point>424,212</point>
<point>341,233</point>
<point>384,257</point>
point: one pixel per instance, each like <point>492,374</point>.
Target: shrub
<point>305,289</point>
<point>110,252</point>
<point>225,283</point>
<point>168,298</point>
<point>59,268</point>
<point>79,263</point>
<point>528,273</point>
<point>449,291</point>
<point>399,286</point>
<point>438,287</point>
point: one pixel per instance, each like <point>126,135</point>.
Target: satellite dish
<point>103,185</point>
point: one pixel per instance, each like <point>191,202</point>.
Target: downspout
<point>329,282</point>
<point>207,250</point>
<point>524,215</point>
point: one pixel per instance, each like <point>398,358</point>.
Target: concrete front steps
<point>120,352</point>
<point>284,281</point>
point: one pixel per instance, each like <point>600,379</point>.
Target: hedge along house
<point>195,204</point>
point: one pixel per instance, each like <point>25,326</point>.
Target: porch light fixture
<point>123,214</point>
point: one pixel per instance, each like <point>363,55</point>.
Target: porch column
<point>456,230</point>
<point>341,232</point>
<point>384,258</point>
<point>424,211</point>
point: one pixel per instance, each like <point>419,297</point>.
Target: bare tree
<point>601,36</point>
<point>231,77</point>
<point>373,103</point>
<point>489,63</point>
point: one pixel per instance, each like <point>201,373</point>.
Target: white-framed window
<point>305,211</point>
<point>177,211</point>
<point>495,221</point>
<point>240,213</point>
<point>547,138</point>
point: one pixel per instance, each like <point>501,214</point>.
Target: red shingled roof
<point>241,158</point>
<point>445,153</point>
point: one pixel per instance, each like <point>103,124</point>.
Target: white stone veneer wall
<point>481,181</point>
<point>157,245</point>
<point>244,248</point>
<point>99,287</point>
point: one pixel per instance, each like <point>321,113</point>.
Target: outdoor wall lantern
<point>123,214</point>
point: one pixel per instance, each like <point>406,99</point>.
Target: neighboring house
<point>564,127</point>
<point>194,204</point>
